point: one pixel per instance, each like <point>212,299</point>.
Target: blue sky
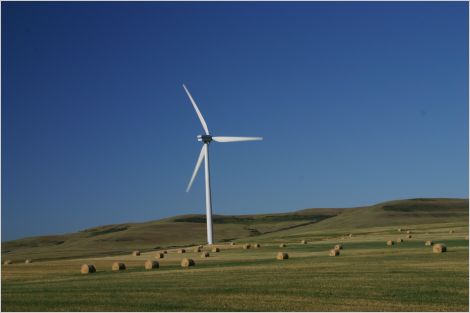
<point>358,103</point>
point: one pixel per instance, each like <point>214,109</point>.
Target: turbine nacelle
<point>204,138</point>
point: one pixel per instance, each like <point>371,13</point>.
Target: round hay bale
<point>408,231</point>
<point>246,246</point>
<point>187,262</point>
<point>334,252</point>
<point>257,245</point>
<point>409,236</point>
<point>205,255</point>
<point>136,253</point>
<point>28,261</point>
<point>7,262</point>
<point>87,269</point>
<point>197,250</point>
<point>350,235</point>
<point>399,240</point>
<point>338,247</point>
<point>215,249</point>
<point>165,252</point>
<point>303,242</point>
<point>181,251</point>
<point>149,264</point>
<point>429,243</point>
<point>390,243</point>
<point>399,230</point>
<point>451,231</point>
<point>159,255</point>
<point>232,243</point>
<point>282,256</point>
<point>282,245</point>
<point>118,266</point>
<point>439,248</point>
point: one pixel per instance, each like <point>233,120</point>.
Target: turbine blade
<point>196,169</point>
<point>203,122</point>
<point>235,139</point>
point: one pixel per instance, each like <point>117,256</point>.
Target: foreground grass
<point>367,276</point>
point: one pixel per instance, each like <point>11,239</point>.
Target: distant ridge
<point>190,229</point>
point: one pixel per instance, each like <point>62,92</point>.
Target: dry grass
<point>150,265</point>
<point>439,248</point>
<point>334,252</point>
<point>87,269</point>
<point>118,266</point>
<point>187,262</point>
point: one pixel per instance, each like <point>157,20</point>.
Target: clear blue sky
<point>358,103</point>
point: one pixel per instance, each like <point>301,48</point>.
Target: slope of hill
<point>191,229</point>
<point>177,231</point>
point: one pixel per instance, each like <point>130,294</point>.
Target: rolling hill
<point>187,230</point>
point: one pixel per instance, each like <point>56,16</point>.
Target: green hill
<point>188,230</point>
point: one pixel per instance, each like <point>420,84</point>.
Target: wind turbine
<point>204,155</point>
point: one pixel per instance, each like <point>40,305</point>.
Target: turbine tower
<point>204,155</point>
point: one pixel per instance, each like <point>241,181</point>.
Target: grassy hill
<point>191,229</point>
<point>368,275</point>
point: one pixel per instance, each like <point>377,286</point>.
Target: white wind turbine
<point>206,139</point>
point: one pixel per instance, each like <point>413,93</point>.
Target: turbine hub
<point>204,138</point>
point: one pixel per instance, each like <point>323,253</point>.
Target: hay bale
<point>429,243</point>
<point>390,243</point>
<point>232,243</point>
<point>187,262</point>
<point>399,240</point>
<point>338,247</point>
<point>282,256</point>
<point>439,248</point>
<point>136,253</point>
<point>197,249</point>
<point>159,255</point>
<point>165,252</point>
<point>150,265</point>
<point>451,231</point>
<point>118,266</point>
<point>334,252</point>
<point>350,235</point>
<point>215,249</point>
<point>205,255</point>
<point>303,242</point>
<point>7,262</point>
<point>87,269</point>
<point>181,251</point>
<point>282,245</point>
<point>257,245</point>
<point>399,230</point>
<point>409,236</point>
<point>246,246</point>
<point>408,231</point>
<point>28,261</point>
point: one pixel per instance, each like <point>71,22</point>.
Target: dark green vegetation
<point>367,276</point>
